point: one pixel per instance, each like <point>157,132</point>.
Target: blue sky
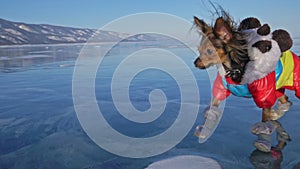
<point>96,13</point>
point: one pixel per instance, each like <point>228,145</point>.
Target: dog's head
<point>222,43</point>
<point>211,48</point>
<point>220,39</point>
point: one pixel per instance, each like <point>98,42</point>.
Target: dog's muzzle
<point>198,63</point>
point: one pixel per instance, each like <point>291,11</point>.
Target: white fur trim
<point>260,64</point>
<point>221,70</point>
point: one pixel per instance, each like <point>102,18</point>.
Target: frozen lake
<point>39,127</point>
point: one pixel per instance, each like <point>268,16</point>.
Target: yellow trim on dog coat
<point>287,76</point>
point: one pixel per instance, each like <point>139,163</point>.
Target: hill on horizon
<point>19,33</point>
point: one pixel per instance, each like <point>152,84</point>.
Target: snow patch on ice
<point>185,161</point>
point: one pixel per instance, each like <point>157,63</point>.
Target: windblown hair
<point>236,48</point>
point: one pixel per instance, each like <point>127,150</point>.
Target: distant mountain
<point>17,33</point>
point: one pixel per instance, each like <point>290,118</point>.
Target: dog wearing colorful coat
<point>271,69</point>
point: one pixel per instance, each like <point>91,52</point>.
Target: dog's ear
<point>223,30</point>
<point>283,39</point>
<point>249,23</point>
<point>202,25</point>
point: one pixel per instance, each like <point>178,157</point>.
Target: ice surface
<point>39,127</point>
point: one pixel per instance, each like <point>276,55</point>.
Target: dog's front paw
<point>201,132</point>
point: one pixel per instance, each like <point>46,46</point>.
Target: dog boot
<point>212,116</point>
<point>284,106</point>
<point>212,113</point>
<point>280,111</point>
<point>262,128</point>
<point>263,143</point>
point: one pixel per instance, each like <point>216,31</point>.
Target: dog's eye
<point>209,51</point>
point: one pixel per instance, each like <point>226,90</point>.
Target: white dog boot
<point>284,106</point>
<point>212,116</point>
<point>280,111</point>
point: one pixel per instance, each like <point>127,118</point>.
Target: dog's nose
<point>195,62</point>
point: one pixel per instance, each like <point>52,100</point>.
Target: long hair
<point>236,48</point>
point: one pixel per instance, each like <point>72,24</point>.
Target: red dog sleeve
<point>264,91</point>
<point>296,75</point>
<point>219,91</point>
